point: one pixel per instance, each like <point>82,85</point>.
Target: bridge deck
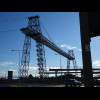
<point>40,38</point>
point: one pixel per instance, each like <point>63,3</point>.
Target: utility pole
<point>86,51</point>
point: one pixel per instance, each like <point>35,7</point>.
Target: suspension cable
<point>47,32</point>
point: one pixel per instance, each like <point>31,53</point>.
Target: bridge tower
<point>34,26</point>
<point>23,70</point>
<point>71,53</point>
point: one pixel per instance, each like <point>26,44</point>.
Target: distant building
<point>10,75</point>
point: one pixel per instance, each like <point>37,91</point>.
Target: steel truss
<point>36,35</point>
<point>41,59</point>
<point>33,31</point>
<point>33,23</point>
<point>23,71</point>
<point>71,53</point>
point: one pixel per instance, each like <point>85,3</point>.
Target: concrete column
<point>86,52</point>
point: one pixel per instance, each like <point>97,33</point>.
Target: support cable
<point>47,32</point>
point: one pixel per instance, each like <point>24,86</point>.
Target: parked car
<point>72,82</point>
<point>96,82</point>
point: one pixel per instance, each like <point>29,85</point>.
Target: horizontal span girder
<point>65,69</point>
<point>60,72</point>
<point>40,38</point>
<point>96,69</point>
<point>67,72</point>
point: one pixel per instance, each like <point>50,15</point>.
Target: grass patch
<point>14,86</point>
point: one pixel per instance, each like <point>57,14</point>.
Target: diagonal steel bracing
<point>33,23</point>
<point>23,71</point>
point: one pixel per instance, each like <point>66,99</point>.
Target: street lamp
<point>19,60</point>
<point>60,65</point>
<point>19,65</point>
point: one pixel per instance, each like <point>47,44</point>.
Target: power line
<point>9,31</point>
<point>6,20</point>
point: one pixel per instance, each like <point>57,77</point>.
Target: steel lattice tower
<point>23,71</point>
<point>41,59</point>
<point>71,53</point>
<point>34,26</point>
